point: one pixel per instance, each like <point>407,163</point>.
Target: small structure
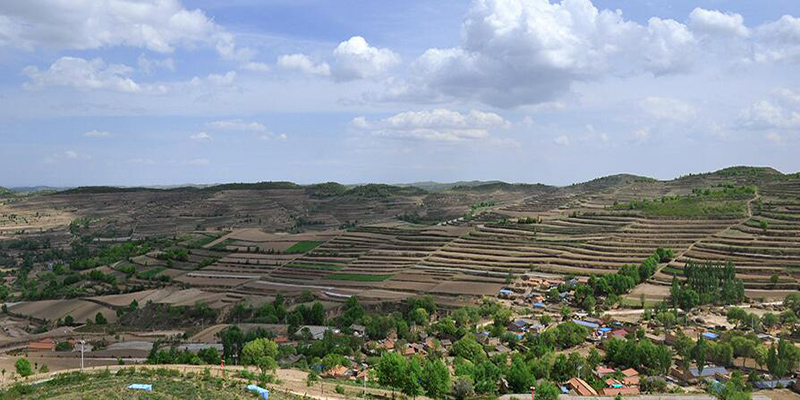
<point>630,377</point>
<point>581,387</point>
<point>317,331</point>
<point>586,324</point>
<point>141,386</point>
<point>261,392</point>
<point>709,335</point>
<point>622,391</point>
<point>42,345</point>
<point>358,330</point>
<point>602,371</point>
<point>693,375</point>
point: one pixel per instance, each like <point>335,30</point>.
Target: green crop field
<point>115,386</point>
<point>358,277</point>
<point>303,247</point>
<point>314,266</point>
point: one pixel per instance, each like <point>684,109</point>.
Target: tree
<point>519,376</point>
<point>68,320</point>
<point>412,376</point>
<point>100,319</point>
<point>462,388</point>
<point>23,367</point>
<point>699,354</point>
<point>254,350</point>
<point>546,391</point>
<point>770,320</point>
<point>545,319</point>
<point>420,316</point>
<point>317,314</point>
<point>684,347</point>
<point>391,370</point>
<point>436,379</point>
<point>469,348</point>
<point>232,342</point>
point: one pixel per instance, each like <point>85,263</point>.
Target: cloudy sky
<point>133,92</point>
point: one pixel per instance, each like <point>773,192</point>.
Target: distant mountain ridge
<point>380,189</point>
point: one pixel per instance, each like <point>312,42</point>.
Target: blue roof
<point>506,291</point>
<point>710,335</point>
<point>564,390</point>
<point>708,371</point>
<point>586,324</point>
<point>605,329</point>
<point>141,386</point>
<point>538,304</point>
<point>774,384</point>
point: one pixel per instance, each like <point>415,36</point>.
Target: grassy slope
<point>115,387</point>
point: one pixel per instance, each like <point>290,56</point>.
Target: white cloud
<point>157,25</point>
<point>148,65</point>
<point>714,22</point>
<point>201,137</point>
<point>766,114</point>
<point>304,64</point>
<point>256,66</point>
<point>778,40</point>
<point>519,52</point>
<point>668,109</point>
<point>438,124</point>
<point>787,95</point>
<point>272,136</point>
<point>82,74</point>
<point>237,125</point>
<point>356,59</point>
<point>641,134</point>
<point>97,134</point>
<point>562,140</point>
<point>66,155</point>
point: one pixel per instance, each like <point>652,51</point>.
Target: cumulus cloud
<point>562,140</point>
<point>774,138</point>
<point>517,52</point>
<point>664,108</point>
<point>303,63</point>
<point>83,74</point>
<point>142,161</point>
<point>201,137</point>
<point>237,125</point>
<point>766,114</point>
<point>356,59</point>
<point>66,155</point>
<point>714,22</point>
<point>97,134</point>
<point>156,25</point>
<point>438,125</point>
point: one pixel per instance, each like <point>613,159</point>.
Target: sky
<point>164,92</point>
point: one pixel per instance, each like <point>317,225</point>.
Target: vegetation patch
<point>303,247</point>
<point>315,266</point>
<point>729,201</point>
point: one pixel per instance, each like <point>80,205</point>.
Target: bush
<point>23,367</point>
<point>339,389</point>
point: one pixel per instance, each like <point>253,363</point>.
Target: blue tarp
<point>589,325</point>
<point>263,393</point>
<point>141,386</point>
<point>506,291</point>
<point>538,305</point>
<point>710,335</point>
<point>564,390</point>
<point>605,329</point>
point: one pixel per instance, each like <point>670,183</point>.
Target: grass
<point>315,266</point>
<point>672,270</point>
<point>730,201</point>
<point>108,386</point>
<point>358,277</point>
<point>223,244</point>
<point>200,242</point>
<point>303,247</point>
<point>150,273</point>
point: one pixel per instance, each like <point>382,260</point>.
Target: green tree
<point>412,378</point>
<point>699,354</point>
<point>232,342</point>
<point>254,350</point>
<point>436,379</point>
<point>391,370</point>
<point>519,376</point>
<point>546,391</point>
<point>23,367</point>
<point>469,348</point>
<point>100,319</point>
<point>462,388</point>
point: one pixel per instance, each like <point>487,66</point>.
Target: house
<point>581,387</point>
<point>358,330</point>
<point>774,384</point>
<point>338,372</point>
<point>387,344</point>
<point>602,371</point>
<point>693,375</point>
<point>618,334</point>
<point>42,345</point>
<point>630,377</point>
<point>586,324</point>
<point>317,331</point>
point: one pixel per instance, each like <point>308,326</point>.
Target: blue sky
<point>122,92</point>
